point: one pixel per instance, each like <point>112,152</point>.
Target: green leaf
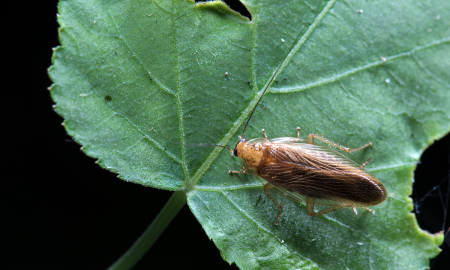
<point>139,82</point>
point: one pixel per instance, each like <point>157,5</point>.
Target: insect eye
<point>235,152</point>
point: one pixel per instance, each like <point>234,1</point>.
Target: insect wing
<point>278,190</point>
<point>301,170</point>
<point>312,155</point>
<point>292,183</point>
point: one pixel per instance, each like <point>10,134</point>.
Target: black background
<point>62,211</point>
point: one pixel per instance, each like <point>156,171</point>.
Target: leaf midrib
<point>192,182</point>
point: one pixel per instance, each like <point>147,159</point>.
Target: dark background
<point>62,211</point>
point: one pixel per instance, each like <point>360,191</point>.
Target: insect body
<point>303,171</point>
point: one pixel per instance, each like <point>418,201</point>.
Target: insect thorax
<point>252,152</point>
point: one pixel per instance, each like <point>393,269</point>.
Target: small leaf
<point>139,82</point>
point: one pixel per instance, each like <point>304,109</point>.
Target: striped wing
<point>301,170</point>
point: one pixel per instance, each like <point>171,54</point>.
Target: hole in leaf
<point>235,5</point>
<point>431,195</point>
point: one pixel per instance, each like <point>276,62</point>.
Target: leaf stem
<point>152,233</point>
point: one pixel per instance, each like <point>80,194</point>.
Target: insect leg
<point>244,170</point>
<point>266,190</point>
<point>365,163</point>
<point>310,140</point>
<point>298,132</point>
<point>370,210</point>
<point>310,208</point>
<point>264,132</point>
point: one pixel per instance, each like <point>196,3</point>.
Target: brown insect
<point>303,171</point>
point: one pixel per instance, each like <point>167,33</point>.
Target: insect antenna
<point>272,79</point>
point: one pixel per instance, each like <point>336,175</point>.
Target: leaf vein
<point>177,96</point>
<point>427,71</point>
<point>262,227</point>
<point>286,90</point>
<point>135,57</point>
<point>116,112</point>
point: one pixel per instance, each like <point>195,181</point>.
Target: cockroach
<point>306,172</point>
<point>303,171</point>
